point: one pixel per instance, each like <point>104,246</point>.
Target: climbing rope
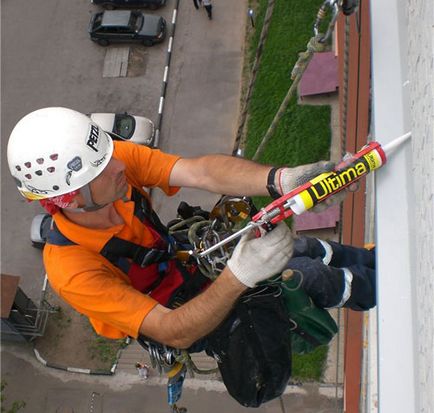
<point>202,233</point>
<point>197,233</point>
<point>259,49</point>
<point>317,43</point>
<point>185,358</point>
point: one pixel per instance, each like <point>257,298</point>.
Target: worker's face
<point>111,184</point>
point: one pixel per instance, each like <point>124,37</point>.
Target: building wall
<point>420,48</point>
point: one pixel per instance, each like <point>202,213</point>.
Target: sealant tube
<point>369,158</point>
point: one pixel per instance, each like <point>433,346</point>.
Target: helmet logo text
<point>98,162</point>
<point>75,164</point>
<point>38,191</point>
<point>93,138</point>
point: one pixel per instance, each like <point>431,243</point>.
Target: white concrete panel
<point>394,235</point>
<point>420,24</point>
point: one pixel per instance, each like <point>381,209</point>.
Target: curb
<point>76,369</point>
<point>166,76</point>
<point>96,372</point>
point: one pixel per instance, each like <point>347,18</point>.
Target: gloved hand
<point>289,178</point>
<point>256,259</point>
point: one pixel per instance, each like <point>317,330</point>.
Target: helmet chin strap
<point>90,205</point>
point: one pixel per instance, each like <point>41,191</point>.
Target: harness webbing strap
<point>117,248</point>
<point>55,237</point>
<point>143,210</point>
<point>304,334</point>
<point>142,256</point>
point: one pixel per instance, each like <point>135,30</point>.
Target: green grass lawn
<point>303,134</point>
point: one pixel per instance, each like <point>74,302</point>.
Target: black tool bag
<point>253,348</point>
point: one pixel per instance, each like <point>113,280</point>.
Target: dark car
<point>126,26</point>
<point>114,4</point>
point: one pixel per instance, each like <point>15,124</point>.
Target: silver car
<point>133,128</point>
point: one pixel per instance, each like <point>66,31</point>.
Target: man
<point>109,256</point>
<point>208,7</point>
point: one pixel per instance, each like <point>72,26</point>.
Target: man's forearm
<point>183,326</point>
<point>221,174</point>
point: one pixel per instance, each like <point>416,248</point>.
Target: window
<point>124,126</point>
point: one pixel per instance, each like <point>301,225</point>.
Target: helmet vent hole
<point>51,169</point>
<point>28,164</point>
<point>54,156</point>
<point>18,167</point>
<point>39,172</point>
<point>55,187</point>
<point>18,182</point>
<point>40,161</point>
<point>28,176</point>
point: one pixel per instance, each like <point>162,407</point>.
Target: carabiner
<point>322,12</point>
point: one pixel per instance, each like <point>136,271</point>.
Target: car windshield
<point>124,126</point>
<point>137,23</point>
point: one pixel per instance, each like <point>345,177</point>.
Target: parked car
<point>130,26</point>
<point>136,129</point>
<point>114,4</point>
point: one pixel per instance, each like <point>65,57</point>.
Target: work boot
<point>328,286</point>
<point>333,253</point>
<point>313,248</point>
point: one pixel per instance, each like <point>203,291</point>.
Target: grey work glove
<point>256,259</point>
<point>288,179</point>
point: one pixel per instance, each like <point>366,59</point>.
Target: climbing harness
<point>229,214</point>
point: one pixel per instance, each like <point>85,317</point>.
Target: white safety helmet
<point>53,151</point>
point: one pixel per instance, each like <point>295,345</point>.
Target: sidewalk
<point>53,391</point>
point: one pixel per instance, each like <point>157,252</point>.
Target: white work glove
<point>287,179</point>
<point>256,259</point>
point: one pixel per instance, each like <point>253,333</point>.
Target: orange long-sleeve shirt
<point>88,281</point>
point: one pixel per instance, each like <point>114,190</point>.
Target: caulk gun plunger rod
<point>235,235</point>
<point>248,227</point>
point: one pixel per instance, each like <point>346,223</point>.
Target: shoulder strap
<point>142,256</point>
<point>143,210</point>
<point>117,248</point>
<point>55,237</point>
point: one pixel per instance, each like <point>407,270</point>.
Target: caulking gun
<point>372,156</point>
